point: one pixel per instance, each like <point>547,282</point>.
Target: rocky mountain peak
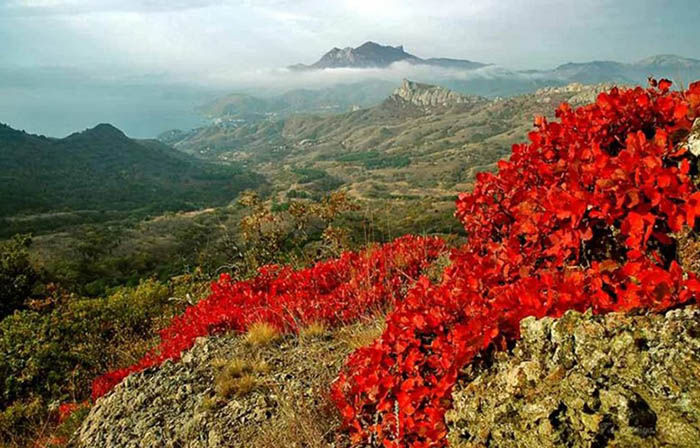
<point>374,55</point>
<point>369,54</point>
<point>426,95</point>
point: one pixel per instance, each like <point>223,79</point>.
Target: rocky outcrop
<point>180,404</point>
<point>581,381</point>
<point>586,381</point>
<point>694,139</point>
<point>578,94</point>
<point>426,95</point>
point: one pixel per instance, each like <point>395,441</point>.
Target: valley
<point>421,141</point>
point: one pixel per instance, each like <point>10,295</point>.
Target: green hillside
<point>102,170</point>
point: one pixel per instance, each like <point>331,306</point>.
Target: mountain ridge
<point>374,55</point>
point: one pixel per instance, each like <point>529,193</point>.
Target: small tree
<point>288,235</point>
<point>17,275</point>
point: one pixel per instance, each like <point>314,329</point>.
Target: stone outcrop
<point>694,139</point>
<point>578,94</point>
<point>426,95</point>
<point>586,381</point>
<point>179,403</point>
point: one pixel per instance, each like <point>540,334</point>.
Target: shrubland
<point>585,216</point>
<point>590,214</point>
<point>94,298</point>
<point>51,355</point>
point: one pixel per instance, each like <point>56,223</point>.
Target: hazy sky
<point>218,40</point>
<point>144,65</point>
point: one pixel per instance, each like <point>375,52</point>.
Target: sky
<point>62,59</point>
<point>217,40</point>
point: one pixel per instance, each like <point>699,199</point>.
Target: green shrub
<point>17,276</point>
<point>19,420</point>
<point>376,160</point>
<point>55,355</point>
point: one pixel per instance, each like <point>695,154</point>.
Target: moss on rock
<point>586,381</point>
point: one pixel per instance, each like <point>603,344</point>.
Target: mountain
<point>492,81</point>
<point>593,72</point>
<point>668,61</point>
<point>426,96</point>
<point>237,104</point>
<point>335,99</point>
<point>464,77</point>
<point>373,55</point>
<point>422,140</point>
<point>673,67</point>
<point>103,169</point>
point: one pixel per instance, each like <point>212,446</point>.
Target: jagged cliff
<point>426,95</point>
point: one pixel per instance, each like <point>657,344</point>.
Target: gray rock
<point>424,95</point>
<point>694,139</point>
<point>175,405</point>
<point>586,381</point>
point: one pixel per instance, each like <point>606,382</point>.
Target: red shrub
<point>333,291</point>
<point>585,216</point>
<point>66,409</point>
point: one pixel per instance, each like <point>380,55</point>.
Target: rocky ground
<point>181,404</point>
<point>586,381</point>
<point>578,381</point>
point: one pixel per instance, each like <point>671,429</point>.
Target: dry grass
<point>237,387</point>
<point>297,411</point>
<point>689,251</point>
<point>299,425</point>
<point>238,377</point>
<point>262,333</point>
<point>356,336</point>
<point>314,330</point>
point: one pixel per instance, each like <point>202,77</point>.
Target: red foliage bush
<point>332,292</point>
<point>66,409</point>
<point>584,216</point>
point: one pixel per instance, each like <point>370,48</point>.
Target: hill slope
<point>103,169</point>
<point>422,140</point>
<point>334,99</point>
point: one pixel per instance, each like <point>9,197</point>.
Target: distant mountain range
<point>462,76</point>
<point>680,69</point>
<point>374,55</point>
<point>336,99</point>
<point>492,80</point>
<point>101,169</point>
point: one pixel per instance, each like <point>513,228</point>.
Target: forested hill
<point>102,169</point>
